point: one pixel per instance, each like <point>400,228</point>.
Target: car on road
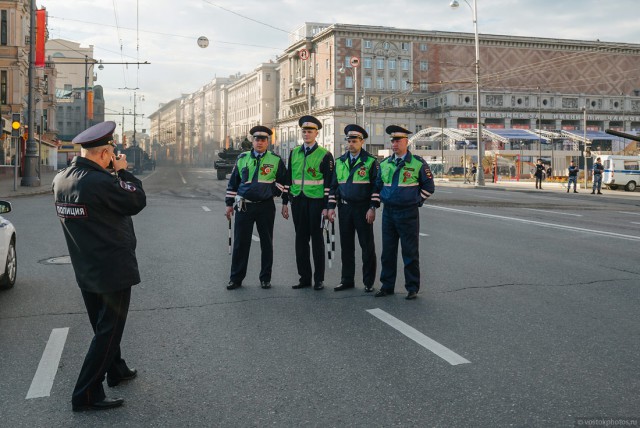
<point>455,170</point>
<point>8,269</point>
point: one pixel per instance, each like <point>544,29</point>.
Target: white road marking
<point>255,238</point>
<point>443,191</point>
<point>147,176</point>
<point>552,212</point>
<point>423,234</point>
<point>43,380</point>
<point>182,177</point>
<point>540,223</point>
<point>634,222</point>
<point>441,351</point>
<point>205,208</point>
<point>627,212</point>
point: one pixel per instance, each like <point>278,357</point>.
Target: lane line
<point>440,350</point>
<point>255,238</point>
<point>552,212</point>
<point>539,223</point>
<point>423,234</point>
<point>634,222</point>
<point>205,208</point>
<point>627,212</point>
<point>147,176</point>
<point>182,177</point>
<point>45,374</point>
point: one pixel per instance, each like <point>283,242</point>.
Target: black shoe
<point>265,284</point>
<point>318,285</point>
<point>383,293</point>
<point>567,190</point>
<point>128,374</point>
<point>412,295</point>
<point>343,287</point>
<point>106,403</point>
<point>368,288</point>
<point>300,285</point>
<point>599,193</point>
<point>575,191</point>
<point>233,285</point>
<point>593,193</point>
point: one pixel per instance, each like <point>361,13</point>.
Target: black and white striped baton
<point>229,235</point>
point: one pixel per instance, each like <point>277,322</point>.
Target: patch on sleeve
<point>127,186</point>
<point>71,210</point>
<point>427,171</point>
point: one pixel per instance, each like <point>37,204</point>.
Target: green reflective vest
<point>268,167</point>
<point>306,177</point>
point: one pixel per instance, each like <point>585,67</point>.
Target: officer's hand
<point>371,216</point>
<point>331,214</point>
<point>119,162</point>
<point>325,214</point>
<point>285,212</point>
<point>228,212</point>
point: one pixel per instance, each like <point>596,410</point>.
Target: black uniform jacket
<point>95,210</point>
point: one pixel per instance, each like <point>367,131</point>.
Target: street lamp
<point>354,75</point>
<point>474,9</point>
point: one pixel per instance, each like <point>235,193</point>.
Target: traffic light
<point>15,124</point>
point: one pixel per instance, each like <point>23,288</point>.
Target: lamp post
<point>584,133</point>
<point>30,178</point>
<point>354,75</point>
<point>474,9</point>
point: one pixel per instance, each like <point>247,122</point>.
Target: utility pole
<point>30,178</point>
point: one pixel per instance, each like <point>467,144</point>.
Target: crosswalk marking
<point>45,374</point>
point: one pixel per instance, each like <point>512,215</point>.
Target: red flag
<point>41,30</point>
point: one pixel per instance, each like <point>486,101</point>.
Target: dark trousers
<point>262,214</point>
<point>352,220</point>
<point>108,315</point>
<point>538,182</point>
<point>401,224</point>
<point>307,221</point>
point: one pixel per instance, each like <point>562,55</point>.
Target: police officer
<point>539,173</point>
<point>573,177</point>
<point>598,169</point>
<point>257,177</point>
<point>404,183</point>
<point>353,190</point>
<point>95,208</point>
<point>309,175</point>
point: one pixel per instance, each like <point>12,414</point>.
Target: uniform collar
<point>362,155</point>
<point>303,148</point>
<point>87,163</point>
<point>407,157</point>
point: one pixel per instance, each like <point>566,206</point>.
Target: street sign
<point>303,54</point>
<point>354,61</point>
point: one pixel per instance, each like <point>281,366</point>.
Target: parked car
<point>7,249</point>
<point>455,170</point>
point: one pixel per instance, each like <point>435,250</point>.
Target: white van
<point>621,171</point>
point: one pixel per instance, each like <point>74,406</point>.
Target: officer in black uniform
<point>404,183</point>
<point>257,177</point>
<point>309,174</point>
<point>95,208</point>
<point>353,190</point>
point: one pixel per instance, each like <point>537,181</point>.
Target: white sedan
<point>7,249</point>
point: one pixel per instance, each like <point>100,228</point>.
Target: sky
<point>245,33</point>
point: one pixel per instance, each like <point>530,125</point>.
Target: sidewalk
<point>7,185</point>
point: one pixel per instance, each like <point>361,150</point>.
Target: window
<point>423,86</point>
<point>347,62</point>
<point>367,62</point>
<point>4,28</point>
<point>423,47</point>
<point>348,82</point>
<point>391,63</point>
<point>367,44</point>
<point>379,129</point>
<point>374,101</point>
<point>3,87</point>
<point>328,84</point>
<point>367,82</point>
<point>326,64</point>
<point>405,64</point>
<point>405,46</point>
<point>267,77</point>
<point>349,43</point>
<point>380,63</point>
<point>424,65</point>
<point>631,165</point>
<point>348,100</point>
<point>380,83</point>
<point>392,84</point>
<point>405,85</point>
<point>385,45</point>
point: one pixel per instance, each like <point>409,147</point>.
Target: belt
<point>342,201</point>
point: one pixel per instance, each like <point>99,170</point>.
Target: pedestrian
<point>404,183</point>
<point>539,174</point>
<point>474,171</point>
<point>309,174</point>
<point>257,177</point>
<point>95,208</point>
<point>353,190</point>
<point>573,177</point>
<point>598,169</point>
<point>549,172</point>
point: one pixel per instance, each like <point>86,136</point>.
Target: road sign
<point>303,54</point>
<point>354,61</point>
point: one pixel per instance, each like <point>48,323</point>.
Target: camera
<point>110,166</point>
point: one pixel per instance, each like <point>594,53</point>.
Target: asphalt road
<point>537,293</point>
